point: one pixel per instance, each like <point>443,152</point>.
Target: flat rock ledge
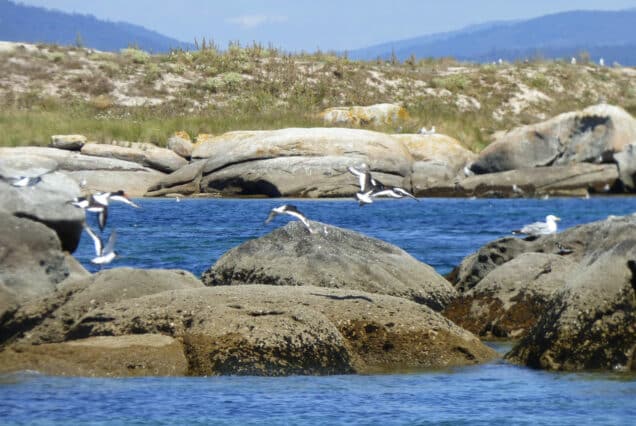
<point>569,297</point>
<point>330,257</point>
<point>249,330</point>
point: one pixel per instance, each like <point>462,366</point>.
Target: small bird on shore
<point>98,203</point>
<point>290,210</point>
<point>540,228</point>
<point>561,249</point>
<point>425,131</point>
<point>103,254</point>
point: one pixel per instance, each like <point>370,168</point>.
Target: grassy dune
<point>136,96</point>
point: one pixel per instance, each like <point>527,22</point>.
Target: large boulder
<point>508,301</point>
<point>258,162</point>
<point>591,322</point>
<point>180,144</point>
<point>48,319</point>
<point>576,243</point>
<point>32,263</point>
<point>69,142</point>
<point>330,257</point>
<point>570,294</point>
<point>590,135</point>
<point>573,179</point>
<point>185,181</point>
<point>267,330</point>
<point>46,201</point>
<point>98,173</point>
<point>375,115</point>
<point>438,161</point>
<point>149,155</point>
<point>626,163</point>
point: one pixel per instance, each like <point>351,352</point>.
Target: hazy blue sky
<point>309,24</point>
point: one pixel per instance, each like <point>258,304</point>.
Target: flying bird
<point>290,210</point>
<point>540,228</point>
<point>103,254</point>
<point>371,188</point>
<point>24,181</point>
<point>98,203</point>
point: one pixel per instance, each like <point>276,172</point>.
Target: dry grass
<point>136,96</point>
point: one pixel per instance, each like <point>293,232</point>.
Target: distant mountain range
<point>35,24</point>
<point>610,35</point>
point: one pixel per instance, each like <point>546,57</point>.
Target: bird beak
<point>557,218</point>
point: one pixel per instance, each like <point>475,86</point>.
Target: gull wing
<point>123,199</point>
<point>96,240</point>
<point>102,217</point>
<point>298,215</point>
<point>536,228</point>
<point>404,192</point>
<point>272,215</point>
<point>110,245</point>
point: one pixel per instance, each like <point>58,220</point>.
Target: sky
<point>295,25</point>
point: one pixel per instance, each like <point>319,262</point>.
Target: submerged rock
<point>330,257</point>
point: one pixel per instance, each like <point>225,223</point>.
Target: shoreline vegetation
<point>142,97</point>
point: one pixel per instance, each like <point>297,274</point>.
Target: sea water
<point>193,233</point>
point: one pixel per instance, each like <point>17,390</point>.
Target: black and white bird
<point>562,250</point>
<point>98,203</point>
<point>24,181</point>
<point>103,254</point>
<point>540,228</point>
<point>371,188</point>
<point>290,210</point>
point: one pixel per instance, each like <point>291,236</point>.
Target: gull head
<point>552,218</point>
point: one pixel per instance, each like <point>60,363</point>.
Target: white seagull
<point>424,131</point>
<point>371,188</point>
<point>540,228</point>
<point>98,203</point>
<point>290,210</point>
<point>103,255</point>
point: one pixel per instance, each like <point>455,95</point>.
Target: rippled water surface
<point>193,234</point>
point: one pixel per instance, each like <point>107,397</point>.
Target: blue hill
<point>38,25</point>
<point>604,34</point>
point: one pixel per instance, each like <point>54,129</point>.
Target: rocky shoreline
<point>332,301</point>
<point>573,154</point>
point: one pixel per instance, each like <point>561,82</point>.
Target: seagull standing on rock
<point>540,228</point>
<point>290,210</point>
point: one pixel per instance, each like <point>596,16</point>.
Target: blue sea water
<point>193,233</point>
